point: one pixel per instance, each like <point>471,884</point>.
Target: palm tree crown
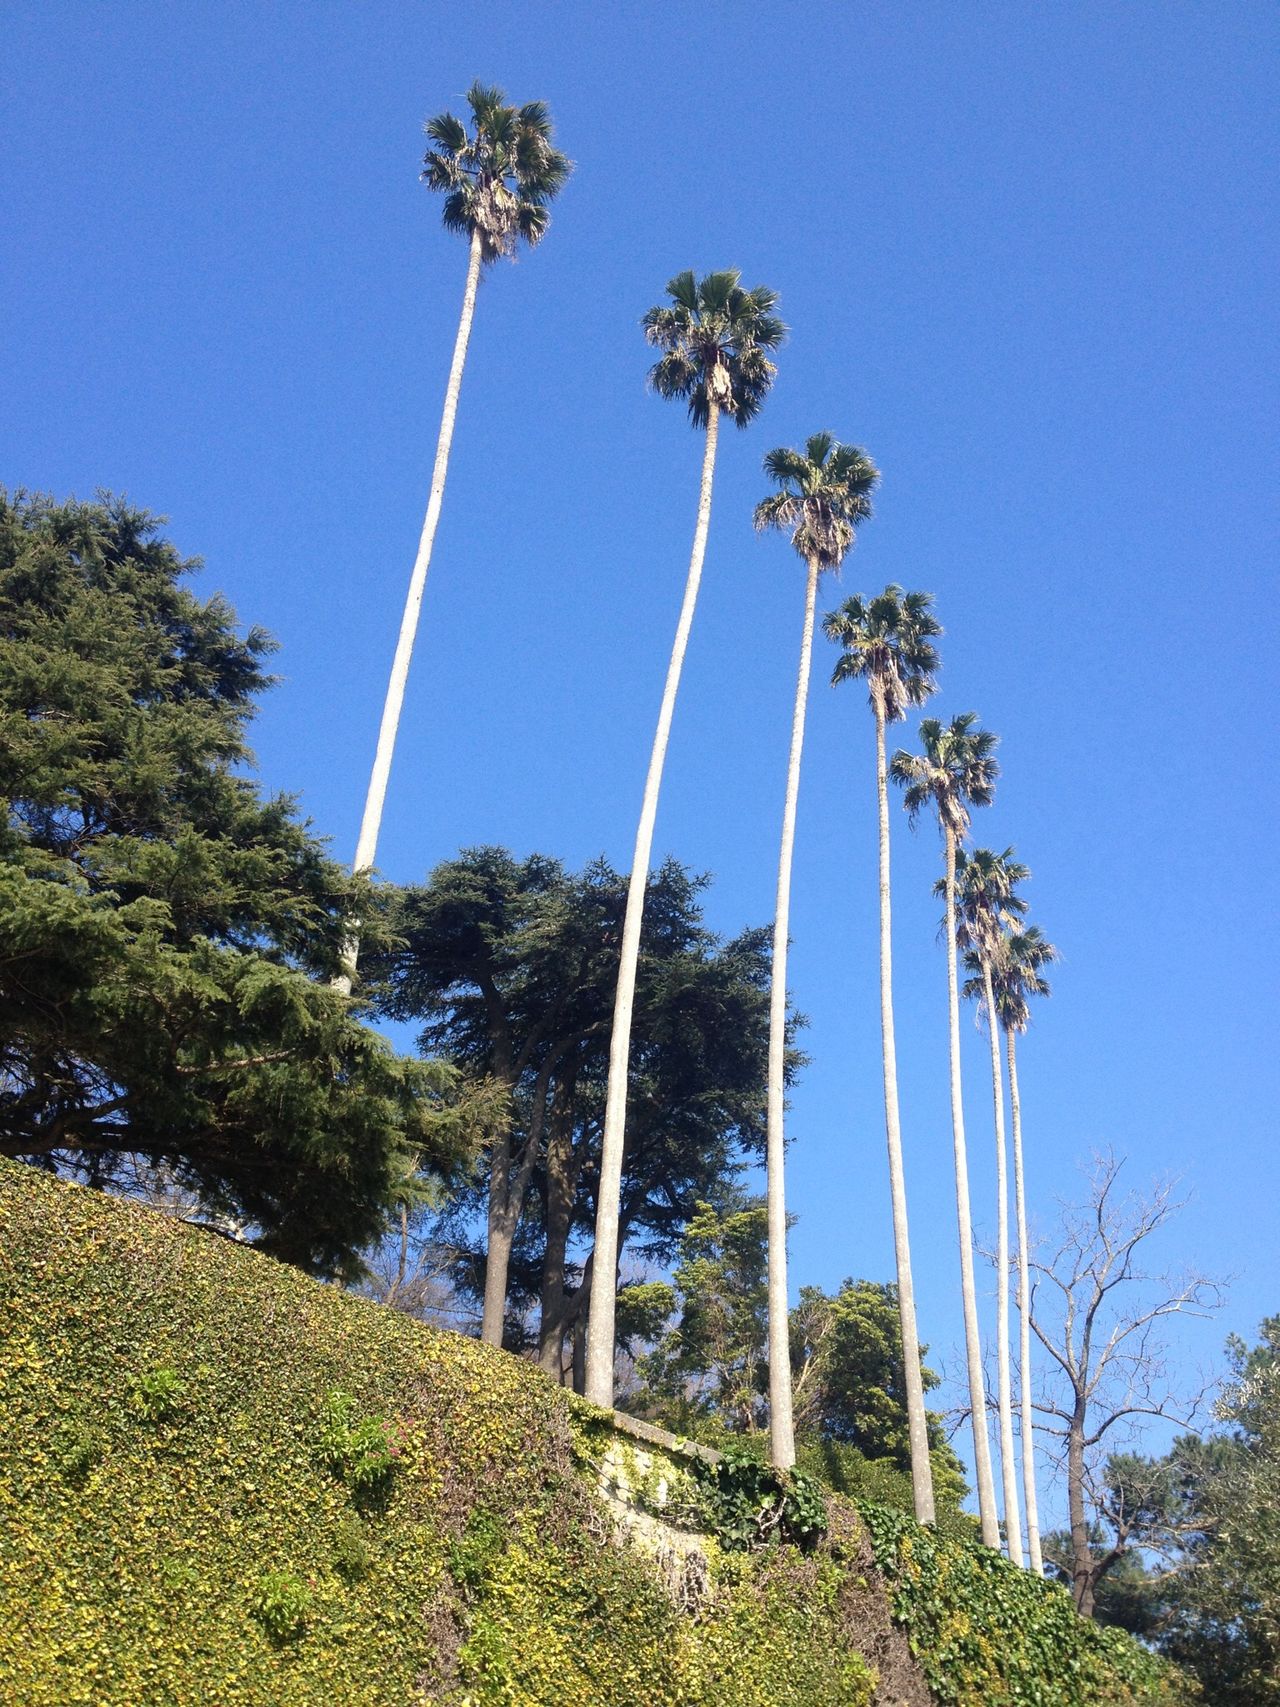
<point>1016,973</point>
<point>713,339</point>
<point>497,178</point>
<point>987,899</point>
<point>824,492</point>
<point>956,770</point>
<point>888,642</point>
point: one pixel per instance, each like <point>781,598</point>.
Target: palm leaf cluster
<point>887,642</point>
<point>824,492</point>
<point>714,336</point>
<point>499,176</point>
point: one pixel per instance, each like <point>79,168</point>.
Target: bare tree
<point>412,1271</point>
<point>1101,1316</point>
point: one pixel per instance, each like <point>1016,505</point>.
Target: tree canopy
<point>166,927</point>
<point>510,965</point>
<point>497,178</point>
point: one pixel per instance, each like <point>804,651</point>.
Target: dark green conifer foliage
<point>165,927</point>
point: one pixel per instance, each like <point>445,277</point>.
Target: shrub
<point>78,1447</point>
<point>747,1503</point>
<point>280,1603</point>
<point>155,1395</point>
<point>351,1555</point>
<point>360,1451</point>
<point>983,1629</point>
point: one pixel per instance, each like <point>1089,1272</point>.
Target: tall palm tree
<point>497,179</point>
<point>987,904</point>
<point>714,338</point>
<point>957,770</point>
<point>1018,974</point>
<point>888,643</point>
<point>824,493</point>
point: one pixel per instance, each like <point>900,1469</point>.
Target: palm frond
<point>455,215</point>
<point>716,289</point>
<point>535,116</point>
<point>683,289</point>
<point>531,222</point>
<point>674,375</point>
<point>447,131</point>
<point>779,510</point>
<point>784,465</point>
<point>818,447</point>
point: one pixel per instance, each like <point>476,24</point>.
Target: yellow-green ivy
<point>183,1520</point>
<point>223,1484</point>
<point>986,1631</point>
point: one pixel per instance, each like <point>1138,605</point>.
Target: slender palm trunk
<point>604,1290</point>
<point>1024,1321</point>
<point>367,845</point>
<point>917,1422</point>
<point>973,1345</point>
<point>782,1441</point>
<point>1008,1458</point>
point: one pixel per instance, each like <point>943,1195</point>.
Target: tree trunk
<point>508,1182</point>
<point>917,1422</point>
<point>1024,1321</point>
<point>1082,1571</point>
<point>782,1443</point>
<point>366,846</point>
<point>1008,1460</point>
<point>973,1344</point>
<point>600,1331</point>
<point>580,1327</point>
<point>562,1180</point>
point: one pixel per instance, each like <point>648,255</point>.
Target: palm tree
<point>987,904</point>
<point>713,336</point>
<point>957,770</point>
<point>497,180</point>
<point>1017,972</point>
<point>888,643</point>
<point>824,493</point>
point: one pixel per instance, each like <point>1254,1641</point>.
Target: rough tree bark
<point>782,1443</point>
<point>1026,1421</point>
<point>1004,1386</point>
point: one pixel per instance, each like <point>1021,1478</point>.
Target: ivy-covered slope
<point>222,1482</point>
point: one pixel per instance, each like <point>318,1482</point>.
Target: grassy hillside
<point>223,1484</point>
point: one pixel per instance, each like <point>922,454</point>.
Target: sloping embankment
<point>223,1484</point>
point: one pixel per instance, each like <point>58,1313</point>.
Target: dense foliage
<point>1195,1538</point>
<point>165,928</point>
<point>223,1482</point>
<point>705,1371</point>
<point>510,965</point>
<point>984,1630</point>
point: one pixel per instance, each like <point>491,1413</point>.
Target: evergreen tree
<point>165,928</point>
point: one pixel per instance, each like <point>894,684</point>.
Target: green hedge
<point>985,1630</point>
<point>222,1482</point>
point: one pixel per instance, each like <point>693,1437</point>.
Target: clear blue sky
<point>1028,256</point>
